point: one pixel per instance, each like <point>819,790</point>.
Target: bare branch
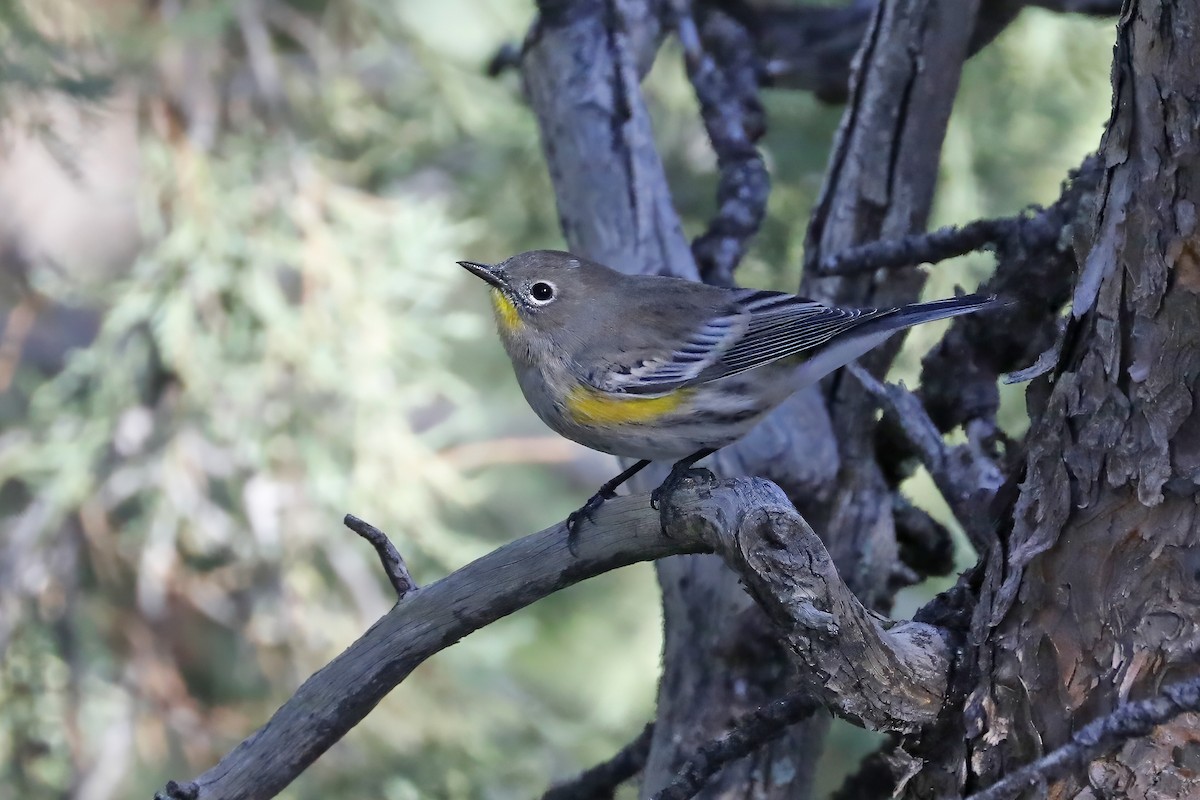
<point>1035,230</point>
<point>425,621</point>
<point>1036,268</point>
<point>389,556</point>
<point>881,675</point>
<point>964,475</point>
<point>750,732</point>
<point>810,48</point>
<point>1097,739</point>
<point>580,70</point>
<point>601,781</point>
<point>726,84</point>
<point>877,674</point>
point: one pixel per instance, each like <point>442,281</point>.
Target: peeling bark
<point>1093,598</point>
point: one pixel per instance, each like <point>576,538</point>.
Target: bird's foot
<point>660,496</point>
<point>675,480</point>
<point>586,512</point>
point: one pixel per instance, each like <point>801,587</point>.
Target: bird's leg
<point>681,469</point>
<point>606,492</point>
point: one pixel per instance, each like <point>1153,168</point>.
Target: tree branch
<point>1036,268</point>
<point>1098,738</point>
<point>601,781</point>
<point>749,733</point>
<point>881,675</point>
<point>862,666</point>
<point>393,563</point>
<point>425,621</point>
<point>964,474</point>
<point>726,86</point>
<point>1039,229</point>
<point>811,48</point>
<point>580,72</point>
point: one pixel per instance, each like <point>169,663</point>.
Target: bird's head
<point>541,292</point>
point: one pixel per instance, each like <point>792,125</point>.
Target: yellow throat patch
<point>506,312</point>
<point>588,406</point>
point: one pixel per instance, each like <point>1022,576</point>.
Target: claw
<point>585,512</point>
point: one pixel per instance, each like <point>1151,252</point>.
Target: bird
<point>657,368</point>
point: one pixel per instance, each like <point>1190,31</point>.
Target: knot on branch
<point>879,674</point>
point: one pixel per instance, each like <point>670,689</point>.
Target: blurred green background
<point>252,212</point>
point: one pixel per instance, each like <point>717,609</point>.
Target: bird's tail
<point>918,313</point>
<point>846,347</point>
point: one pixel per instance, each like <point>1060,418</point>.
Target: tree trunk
<point>1090,599</point>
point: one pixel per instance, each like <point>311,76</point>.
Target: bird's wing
<point>656,367</point>
<point>783,325</point>
<point>756,328</point>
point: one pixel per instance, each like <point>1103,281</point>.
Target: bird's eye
<point>542,292</point>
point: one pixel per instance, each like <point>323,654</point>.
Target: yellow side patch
<point>506,312</point>
<point>588,406</point>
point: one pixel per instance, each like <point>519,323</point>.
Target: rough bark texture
<point>880,184</point>
<point>1092,598</point>
<point>581,75</point>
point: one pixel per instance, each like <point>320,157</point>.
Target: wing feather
<point>659,370</point>
<point>759,327</point>
<point>783,325</point>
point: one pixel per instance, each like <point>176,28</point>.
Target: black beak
<point>484,271</point>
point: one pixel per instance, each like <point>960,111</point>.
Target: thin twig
<point>506,57</point>
<point>726,85</point>
<point>1097,739</point>
<point>752,731</point>
<point>389,556</point>
<point>1034,229</point>
<point>1037,228</point>
<point>966,477</point>
<point>601,781</point>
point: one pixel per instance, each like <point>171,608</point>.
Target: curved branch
<point>880,676</point>
<point>389,557</point>
<point>335,699</point>
<point>601,781</point>
<point>726,86</point>
<point>873,672</point>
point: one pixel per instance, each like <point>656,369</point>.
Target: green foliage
<point>293,342</point>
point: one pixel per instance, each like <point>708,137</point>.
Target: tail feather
<point>850,345</point>
<point>919,313</point>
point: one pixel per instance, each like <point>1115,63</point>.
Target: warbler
<point>656,368</point>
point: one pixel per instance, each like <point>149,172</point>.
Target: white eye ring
<point>542,292</point>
